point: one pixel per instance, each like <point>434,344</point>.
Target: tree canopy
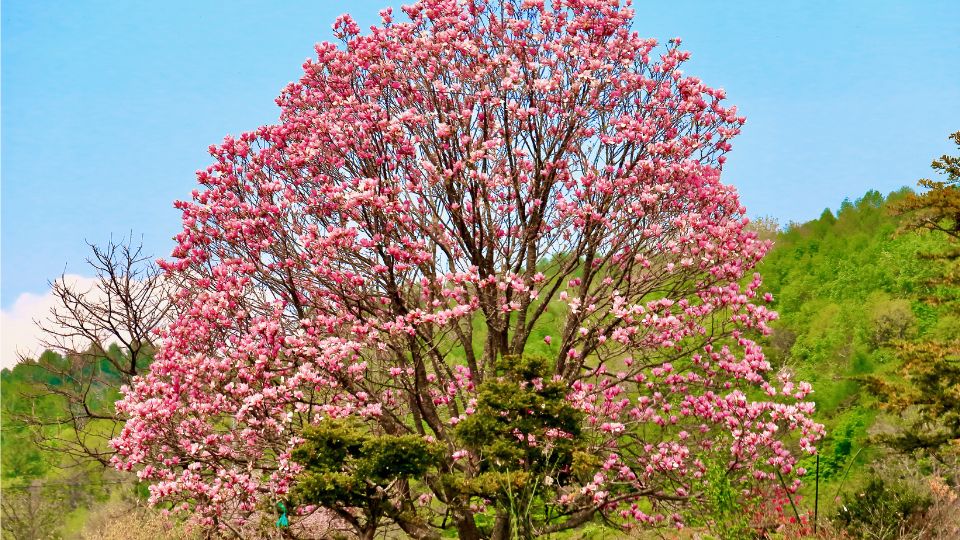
<point>485,180</point>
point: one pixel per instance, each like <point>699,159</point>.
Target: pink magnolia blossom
<point>473,165</point>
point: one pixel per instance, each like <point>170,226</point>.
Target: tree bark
<point>501,527</point>
<point>466,526</point>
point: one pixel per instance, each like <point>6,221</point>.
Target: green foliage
<point>722,506</point>
<point>889,320</point>
<point>932,390</point>
<point>357,474</point>
<point>852,289</point>
<point>23,395</point>
<point>46,493</point>
<point>848,289</point>
<point>515,416</point>
<point>931,366</point>
<point>347,466</point>
<point>881,510</point>
<point>841,444</point>
<point>528,441</point>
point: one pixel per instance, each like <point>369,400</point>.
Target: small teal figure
<point>283,522</point>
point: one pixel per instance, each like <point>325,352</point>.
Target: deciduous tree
<point>488,179</point>
<point>102,337</point>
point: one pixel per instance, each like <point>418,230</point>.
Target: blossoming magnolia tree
<point>480,181</point>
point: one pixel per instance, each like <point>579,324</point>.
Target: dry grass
<point>123,521</point>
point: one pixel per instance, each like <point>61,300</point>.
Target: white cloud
<point>20,335</point>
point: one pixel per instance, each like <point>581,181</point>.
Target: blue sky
<point>108,107</point>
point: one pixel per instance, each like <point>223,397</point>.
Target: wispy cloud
<point>20,335</point>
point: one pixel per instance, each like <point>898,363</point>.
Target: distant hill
<point>849,287</point>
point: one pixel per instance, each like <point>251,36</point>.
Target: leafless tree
<point>103,334</point>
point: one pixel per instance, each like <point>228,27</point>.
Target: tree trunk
<point>466,526</point>
<point>501,527</point>
<point>414,527</point>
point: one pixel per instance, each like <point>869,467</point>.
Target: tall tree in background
<point>932,367</point>
<point>488,180</point>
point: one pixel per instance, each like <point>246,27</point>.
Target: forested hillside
<point>49,490</point>
<point>848,288</point>
<point>855,291</point>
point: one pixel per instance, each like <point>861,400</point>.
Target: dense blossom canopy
<point>488,178</point>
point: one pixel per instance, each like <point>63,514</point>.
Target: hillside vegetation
<point>855,291</point>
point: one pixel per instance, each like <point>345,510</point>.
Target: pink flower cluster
<point>432,189</point>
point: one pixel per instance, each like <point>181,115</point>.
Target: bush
<point>883,511</point>
<point>890,319</point>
